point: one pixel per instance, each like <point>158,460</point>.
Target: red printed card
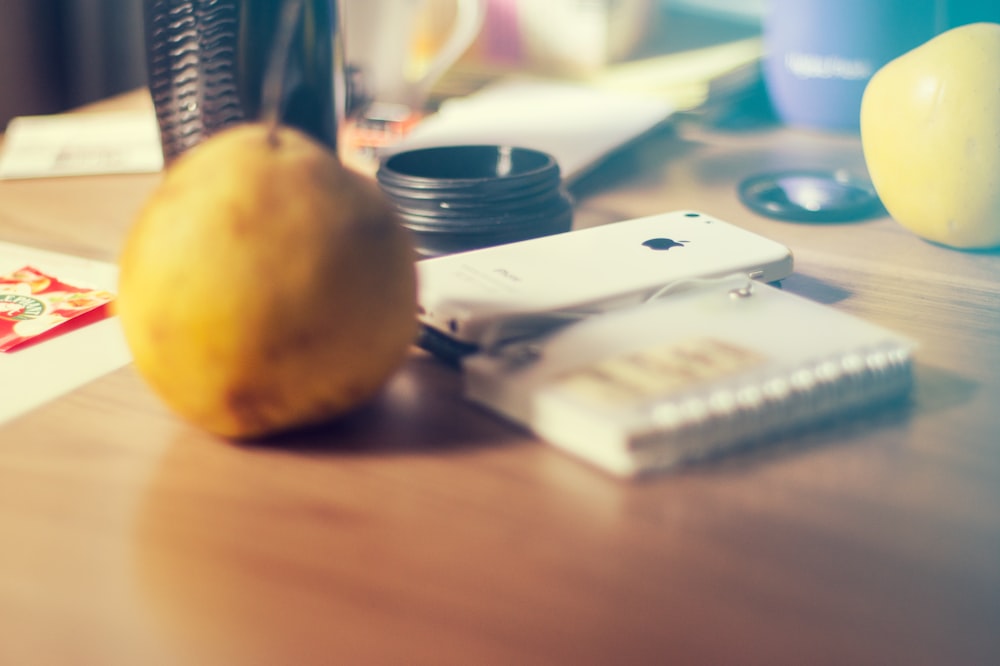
<point>33,303</point>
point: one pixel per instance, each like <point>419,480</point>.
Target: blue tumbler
<point>820,54</point>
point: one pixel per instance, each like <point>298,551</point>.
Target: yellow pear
<point>930,130</point>
<point>264,287</point>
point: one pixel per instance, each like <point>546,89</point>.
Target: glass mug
<point>390,60</point>
<point>205,62</point>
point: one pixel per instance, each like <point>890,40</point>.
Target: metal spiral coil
<point>192,61</point>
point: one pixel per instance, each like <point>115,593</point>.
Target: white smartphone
<point>479,298</point>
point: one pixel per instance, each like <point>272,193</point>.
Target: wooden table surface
<point>426,531</point>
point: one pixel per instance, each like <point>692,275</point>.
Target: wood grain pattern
<point>425,531</point>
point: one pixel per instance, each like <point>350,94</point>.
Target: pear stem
<point>273,88</point>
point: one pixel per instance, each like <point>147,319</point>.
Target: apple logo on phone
<point>663,243</point>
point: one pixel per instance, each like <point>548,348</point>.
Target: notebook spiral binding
<point>701,425</point>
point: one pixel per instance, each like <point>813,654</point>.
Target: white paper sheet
<point>76,144</point>
<point>39,373</point>
<point>576,124</point>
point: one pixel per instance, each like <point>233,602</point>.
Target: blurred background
<point>59,54</point>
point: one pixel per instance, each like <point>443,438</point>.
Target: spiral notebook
<point>697,374</point>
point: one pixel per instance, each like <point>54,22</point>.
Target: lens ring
<point>805,195</point>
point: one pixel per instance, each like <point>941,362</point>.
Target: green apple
<point>930,131</point>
